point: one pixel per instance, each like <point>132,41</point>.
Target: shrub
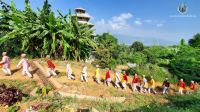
<point>138,58</point>
<point>186,64</point>
<point>159,73</point>
<point>13,108</point>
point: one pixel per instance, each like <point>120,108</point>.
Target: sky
<point>149,21</point>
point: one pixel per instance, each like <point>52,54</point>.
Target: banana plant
<point>41,33</point>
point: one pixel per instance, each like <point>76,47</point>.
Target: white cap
<point>23,55</point>
<point>48,56</point>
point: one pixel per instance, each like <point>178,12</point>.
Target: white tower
<point>83,17</point>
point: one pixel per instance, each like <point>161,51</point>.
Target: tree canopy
<point>195,41</point>
<point>137,46</point>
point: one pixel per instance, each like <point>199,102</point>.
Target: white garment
<point>83,78</point>
<point>117,79</point>
<point>107,81</point>
<point>142,85</point>
<point>6,70</point>
<point>26,72</point>
<point>180,91</point>
<point>25,65</point>
<point>135,86</point>
<point>124,85</point>
<point>69,72</point>
<point>84,74</point>
<point>153,89</point>
<point>84,71</point>
<point>6,65</point>
<point>51,72</point>
<point>165,90</point>
<point>97,80</point>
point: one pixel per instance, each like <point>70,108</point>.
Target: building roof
<point>79,8</point>
<point>83,15</point>
<point>85,22</point>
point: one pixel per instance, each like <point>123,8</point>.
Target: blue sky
<point>130,20</point>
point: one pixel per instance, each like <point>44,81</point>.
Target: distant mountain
<point>145,40</point>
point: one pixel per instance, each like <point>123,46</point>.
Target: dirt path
<point>76,86</point>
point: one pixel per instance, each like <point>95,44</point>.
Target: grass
<point>134,102</point>
<point>184,103</point>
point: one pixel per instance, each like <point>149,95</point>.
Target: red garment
<point>107,74</point>
<point>135,79</point>
<point>125,77</point>
<point>182,84</point>
<point>192,86</point>
<point>50,64</point>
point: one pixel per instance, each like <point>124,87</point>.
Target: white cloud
<point>159,25</point>
<point>122,17</point>
<point>138,22</point>
<point>116,22</point>
<point>119,25</point>
<point>102,26</point>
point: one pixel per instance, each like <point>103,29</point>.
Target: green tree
<point>186,64</point>
<point>138,58</point>
<point>159,54</point>
<point>107,40</point>
<point>123,53</point>
<point>106,52</point>
<point>182,42</point>
<point>137,46</point>
<point>195,41</point>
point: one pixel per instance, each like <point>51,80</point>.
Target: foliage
<point>137,46</point>
<point>9,96</point>
<point>182,42</point>
<point>106,52</point>
<point>195,41</point>
<point>13,108</point>
<point>123,53</point>
<point>159,54</point>
<point>43,33</point>
<point>186,64</point>
<point>138,58</point>
<point>44,90</point>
